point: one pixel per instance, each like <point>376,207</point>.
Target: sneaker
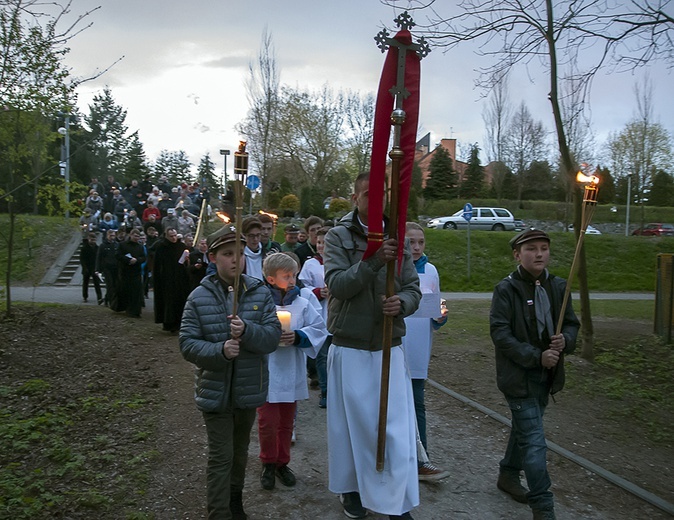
<point>353,508</point>
<point>323,401</point>
<point>543,514</point>
<point>236,506</point>
<point>100,301</point>
<point>510,483</point>
<point>406,516</point>
<point>268,476</point>
<point>85,300</point>
<point>429,472</point>
<point>293,437</point>
<point>286,476</point>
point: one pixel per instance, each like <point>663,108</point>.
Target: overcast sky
<point>185,63</point>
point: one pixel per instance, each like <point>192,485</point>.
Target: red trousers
<point>275,428</point>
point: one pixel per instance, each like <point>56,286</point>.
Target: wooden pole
<point>200,223</point>
<point>238,193</point>
<point>589,203</point>
<point>396,155</point>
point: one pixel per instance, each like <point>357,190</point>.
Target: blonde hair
<point>279,262</point>
<point>409,226</point>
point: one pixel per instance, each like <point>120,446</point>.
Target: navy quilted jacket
<point>204,328</point>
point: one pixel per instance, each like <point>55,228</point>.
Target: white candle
<point>284,318</point>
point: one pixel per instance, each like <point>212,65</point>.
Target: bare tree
<point>525,142</point>
<point>262,90</point>
<point>311,133</point>
<point>496,117</point>
<point>514,32</point>
<point>359,128</point>
<point>641,148</point>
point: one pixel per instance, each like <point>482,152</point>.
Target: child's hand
<point>557,342</point>
<point>236,326</point>
<point>231,348</point>
<point>441,320</point>
<point>549,358</point>
<point>287,338</point>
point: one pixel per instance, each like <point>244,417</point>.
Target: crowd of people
<point>310,311</point>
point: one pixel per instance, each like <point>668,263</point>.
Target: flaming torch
<point>240,174</point>
<point>222,216</point>
<point>274,218</point>
<point>589,204</point>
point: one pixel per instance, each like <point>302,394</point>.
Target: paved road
<point>72,294</point>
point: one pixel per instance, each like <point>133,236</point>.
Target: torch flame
<point>587,179</point>
<point>222,216</point>
<point>275,217</point>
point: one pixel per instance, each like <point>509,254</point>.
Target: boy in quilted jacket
<point>230,355</point>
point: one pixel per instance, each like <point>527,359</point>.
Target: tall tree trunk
<point>10,249</point>
<point>569,168</point>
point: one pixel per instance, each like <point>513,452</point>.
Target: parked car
<point>655,229</point>
<point>519,225</point>
<point>494,219</point>
<point>590,230</point>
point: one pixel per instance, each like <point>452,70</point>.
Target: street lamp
<point>224,153</point>
<point>65,161</point>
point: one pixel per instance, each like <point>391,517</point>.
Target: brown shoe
<point>511,484</point>
<point>430,472</point>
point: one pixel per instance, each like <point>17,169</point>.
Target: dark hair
<point>360,179</point>
<point>311,221</point>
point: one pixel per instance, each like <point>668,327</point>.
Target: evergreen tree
<point>108,140</point>
<point>472,185</point>
<point>538,182</point>
<point>206,175</point>
<point>662,189</point>
<point>442,182</point>
<point>136,162</point>
<point>607,186</point>
<point>174,165</point>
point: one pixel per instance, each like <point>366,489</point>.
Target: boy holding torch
<point>529,363</point>
<point>230,355</point>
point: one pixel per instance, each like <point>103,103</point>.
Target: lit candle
<point>284,318</point>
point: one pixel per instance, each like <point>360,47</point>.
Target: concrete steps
<point>68,271</point>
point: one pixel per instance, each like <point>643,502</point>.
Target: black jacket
<point>518,359</point>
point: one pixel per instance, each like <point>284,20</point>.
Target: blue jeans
<point>527,449</point>
<point>418,391</point>
<point>228,438</point>
<point>321,366</point>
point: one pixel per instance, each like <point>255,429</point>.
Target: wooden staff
<point>589,203</point>
<point>240,173</point>
<point>201,220</point>
<point>396,155</point>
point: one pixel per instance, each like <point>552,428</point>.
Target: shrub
<point>290,202</point>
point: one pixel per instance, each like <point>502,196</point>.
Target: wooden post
<point>396,155</point>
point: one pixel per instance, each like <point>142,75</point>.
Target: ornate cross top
<point>384,41</point>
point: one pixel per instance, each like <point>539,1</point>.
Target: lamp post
<point>65,132</point>
<point>224,153</point>
<point>629,196</point>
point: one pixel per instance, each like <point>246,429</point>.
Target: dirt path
<point>462,440</point>
<point>83,350</point>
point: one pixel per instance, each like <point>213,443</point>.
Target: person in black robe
<point>198,264</point>
<point>130,257</point>
<point>170,280</point>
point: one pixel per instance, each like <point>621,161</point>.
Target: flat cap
<point>250,223</point>
<point>225,235</point>
<point>292,228</point>
<point>527,236</point>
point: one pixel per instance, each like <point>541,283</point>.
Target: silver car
<point>491,219</point>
